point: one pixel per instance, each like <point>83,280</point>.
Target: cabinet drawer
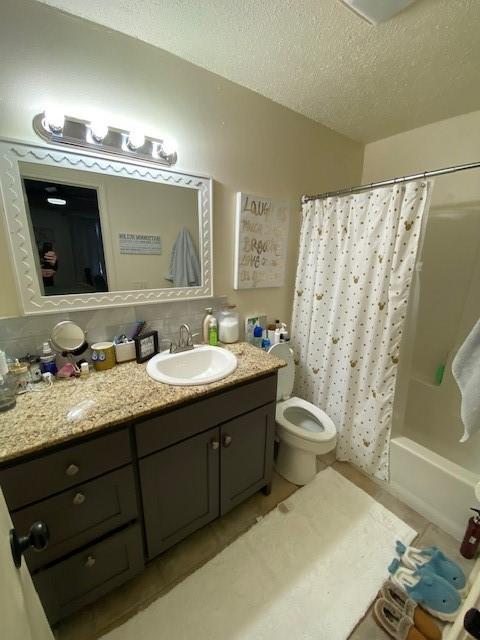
<point>41,477</point>
<point>167,429</point>
<point>77,516</point>
<point>84,577</point>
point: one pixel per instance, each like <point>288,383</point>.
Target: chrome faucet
<point>185,340</point>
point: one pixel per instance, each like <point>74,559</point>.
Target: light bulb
<point>99,130</point>
<point>53,120</point>
<point>169,146</point>
<point>136,139</point>
<point>58,201</point>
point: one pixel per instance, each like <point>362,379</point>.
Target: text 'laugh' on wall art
<point>261,230</point>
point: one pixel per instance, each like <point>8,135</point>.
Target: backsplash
<point>22,335</point>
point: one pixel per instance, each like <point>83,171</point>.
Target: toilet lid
<point>286,375</point>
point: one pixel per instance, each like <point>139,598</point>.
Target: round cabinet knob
<point>90,562</point>
<point>215,444</point>
<point>79,498</point>
<point>227,440</point>
<point>72,470</point>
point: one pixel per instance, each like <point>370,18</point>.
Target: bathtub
<point>439,489</point>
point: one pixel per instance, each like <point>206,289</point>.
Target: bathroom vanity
<point>147,465</point>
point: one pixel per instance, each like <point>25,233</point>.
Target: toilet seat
<point>324,429</point>
<point>304,431</point>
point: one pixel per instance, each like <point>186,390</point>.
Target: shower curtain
<point>355,269</point>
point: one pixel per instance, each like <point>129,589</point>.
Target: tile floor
<point>175,564</point>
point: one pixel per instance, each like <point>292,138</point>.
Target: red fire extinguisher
<point>471,539</point>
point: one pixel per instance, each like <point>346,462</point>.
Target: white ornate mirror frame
<point>32,300</point>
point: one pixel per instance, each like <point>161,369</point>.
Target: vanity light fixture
<point>135,140</point>
<point>98,130</point>
<point>56,128</point>
<point>57,201</point>
<point>53,120</point>
<point>169,146</point>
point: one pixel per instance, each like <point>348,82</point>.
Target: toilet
<point>304,430</point>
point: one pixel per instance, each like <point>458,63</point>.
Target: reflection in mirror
<point>68,238</point>
<point>93,232</point>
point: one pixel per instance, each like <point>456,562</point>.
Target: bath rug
<point>308,570</point>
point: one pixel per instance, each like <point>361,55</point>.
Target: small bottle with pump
<point>471,539</point>
<point>212,332</point>
<point>206,324</point>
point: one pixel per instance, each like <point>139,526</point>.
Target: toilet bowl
<point>304,431</point>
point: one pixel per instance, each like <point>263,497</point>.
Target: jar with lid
<point>21,375</point>
<point>228,324</point>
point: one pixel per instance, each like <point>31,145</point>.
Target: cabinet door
<point>247,455</point>
<point>180,490</point>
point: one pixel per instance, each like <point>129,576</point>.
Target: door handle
<point>214,444</point>
<point>38,538</point>
<point>227,440</point>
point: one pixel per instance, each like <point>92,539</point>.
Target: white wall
<point>450,277</point>
<point>244,141</point>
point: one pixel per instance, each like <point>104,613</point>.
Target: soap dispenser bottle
<point>471,539</point>
<point>213,332</point>
<point>206,324</point>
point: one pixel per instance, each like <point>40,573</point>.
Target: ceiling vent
<point>377,11</point>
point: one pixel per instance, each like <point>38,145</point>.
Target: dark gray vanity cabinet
<point>246,456</point>
<point>114,499</point>
<point>86,493</point>
<point>180,489</point>
<point>190,474</point>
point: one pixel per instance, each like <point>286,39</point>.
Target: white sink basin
<point>201,365</point>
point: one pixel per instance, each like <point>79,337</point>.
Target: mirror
<point>103,232</point>
<point>96,233</point>
<point>68,337</point>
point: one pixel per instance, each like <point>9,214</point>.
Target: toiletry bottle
<point>212,331</point>
<point>266,344</point>
<point>284,333</point>
<point>257,335</point>
<point>8,385</point>
<point>206,324</point>
<point>471,539</point>
<point>84,370</point>
<point>47,359</point>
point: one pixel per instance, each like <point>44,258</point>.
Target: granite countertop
<point>40,420</point>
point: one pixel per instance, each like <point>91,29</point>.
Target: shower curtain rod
<point>386,183</point>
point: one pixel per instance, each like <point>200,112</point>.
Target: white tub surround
<point>439,489</point>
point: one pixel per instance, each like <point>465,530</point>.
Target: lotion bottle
<point>212,332</point>
<point>206,324</point>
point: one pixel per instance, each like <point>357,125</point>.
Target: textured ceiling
<point>317,57</point>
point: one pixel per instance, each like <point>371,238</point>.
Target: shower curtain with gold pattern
<point>355,269</point>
